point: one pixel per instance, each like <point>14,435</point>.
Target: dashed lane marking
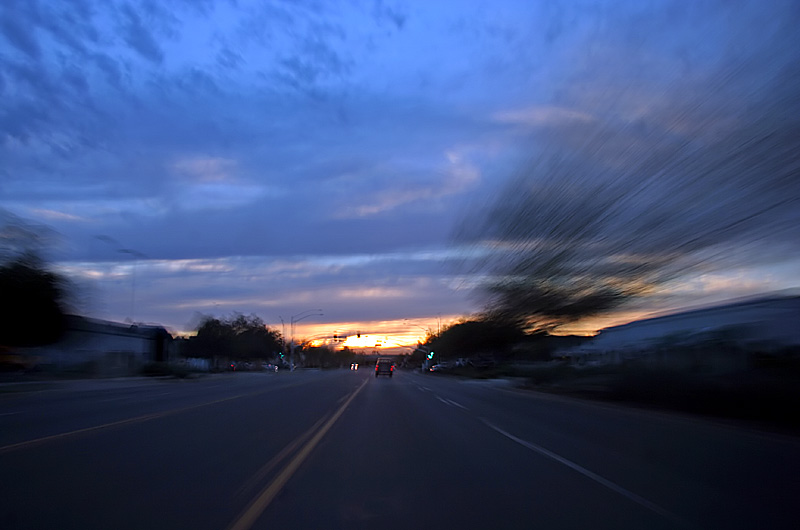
<point>459,405</point>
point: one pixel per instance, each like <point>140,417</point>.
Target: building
<point>102,347</point>
<point>719,337</point>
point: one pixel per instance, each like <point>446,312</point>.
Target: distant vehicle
<point>354,366</point>
<point>384,367</point>
<point>440,367</point>
<point>271,368</point>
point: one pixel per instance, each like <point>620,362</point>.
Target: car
<point>384,367</point>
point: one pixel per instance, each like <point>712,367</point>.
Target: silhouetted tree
<point>648,181</point>
<point>477,336</point>
<point>32,303</point>
<point>237,337</point>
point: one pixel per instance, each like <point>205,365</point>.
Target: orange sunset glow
<point>387,335</point>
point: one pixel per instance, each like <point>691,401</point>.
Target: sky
<point>200,157</point>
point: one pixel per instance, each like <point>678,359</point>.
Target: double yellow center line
<point>260,503</point>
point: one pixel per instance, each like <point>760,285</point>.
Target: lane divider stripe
<point>246,520</point>
<point>594,476</point>
<point>277,459</point>
<point>459,405</point>
<point>137,419</point>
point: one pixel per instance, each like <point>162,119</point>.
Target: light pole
<point>426,330</point>
<point>283,336</point>
<point>297,318</point>
<point>426,349</point>
<point>136,257</point>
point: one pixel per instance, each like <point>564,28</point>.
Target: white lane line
<point>9,413</point>
<point>459,405</point>
<point>451,402</point>
<point>594,476</point>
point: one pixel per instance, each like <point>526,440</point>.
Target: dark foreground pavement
<point>342,449</point>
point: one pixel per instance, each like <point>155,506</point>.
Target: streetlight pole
<point>136,257</point>
<point>283,336</point>
<point>297,318</point>
<point>426,330</point>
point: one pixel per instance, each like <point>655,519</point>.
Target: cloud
<point>349,135</point>
<point>229,58</point>
<point>410,185</point>
<point>138,37</point>
<point>53,215</point>
<point>16,26</point>
<point>206,169</point>
<point>173,290</point>
<point>215,195</point>
<point>541,116</point>
<point>373,292</point>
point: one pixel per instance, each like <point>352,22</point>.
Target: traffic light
<point>430,355</point>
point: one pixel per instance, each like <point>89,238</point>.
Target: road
<point>342,449</point>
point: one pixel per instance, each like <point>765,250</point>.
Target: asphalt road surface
<point>342,449</point>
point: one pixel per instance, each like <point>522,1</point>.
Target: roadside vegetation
<point>764,389</point>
